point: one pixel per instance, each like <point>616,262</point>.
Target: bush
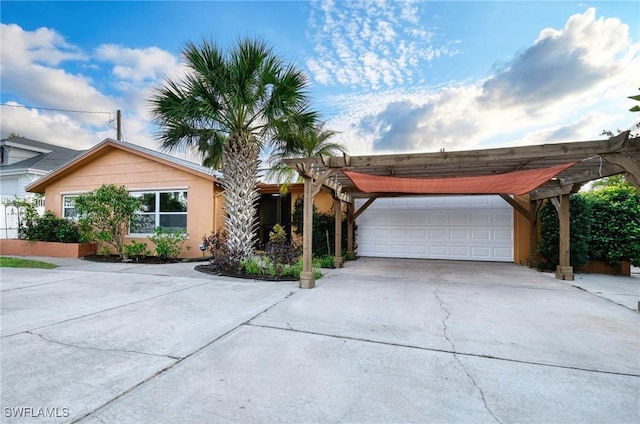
<point>324,262</point>
<point>217,245</point>
<point>49,227</point>
<point>254,266</point>
<point>580,229</point>
<point>136,250</point>
<point>281,253</point>
<point>106,212</point>
<point>323,233</point>
<point>615,231</point>
<point>169,244</point>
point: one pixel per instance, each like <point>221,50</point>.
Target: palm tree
<point>301,143</point>
<point>230,104</point>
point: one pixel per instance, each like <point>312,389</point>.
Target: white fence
<point>10,215</point>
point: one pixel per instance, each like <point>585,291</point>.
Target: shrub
<point>253,266</point>
<point>324,262</point>
<point>49,227</point>
<point>106,212</point>
<point>323,233</point>
<point>169,244</point>
<point>217,245</point>
<point>136,250</point>
<point>615,231</point>
<point>280,252</point>
<point>580,230</point>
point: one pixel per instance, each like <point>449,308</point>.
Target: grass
<point>6,262</point>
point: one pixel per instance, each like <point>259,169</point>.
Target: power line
<point>56,110</point>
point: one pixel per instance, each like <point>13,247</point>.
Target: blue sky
<point>390,76</point>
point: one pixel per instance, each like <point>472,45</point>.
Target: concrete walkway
<point>379,341</point>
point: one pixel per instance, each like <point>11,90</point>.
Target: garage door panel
<point>458,234</point>
<point>438,227</point>
<point>418,250</point>
<point>417,234</point>
<point>398,233</point>
<point>459,251</point>
<point>502,235</point>
<point>501,218</point>
<point>382,233</point>
<point>437,218</point>
<point>481,252</point>
<point>481,218</point>
<point>440,234</point>
<point>438,251</point>
<point>482,235</point>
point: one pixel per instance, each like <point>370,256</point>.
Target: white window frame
<point>158,213</point>
<point>73,217</point>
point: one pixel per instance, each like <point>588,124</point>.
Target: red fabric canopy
<point>516,182</point>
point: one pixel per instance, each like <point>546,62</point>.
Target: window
<point>69,206</point>
<point>166,209</point>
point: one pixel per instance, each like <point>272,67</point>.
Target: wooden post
<point>338,262</point>
<point>307,281</point>
<point>533,235</point>
<point>350,219</point>
<point>564,271</point>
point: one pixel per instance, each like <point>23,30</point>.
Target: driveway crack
<point>455,355</point>
<point>176,358</point>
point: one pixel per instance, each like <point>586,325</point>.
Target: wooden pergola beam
<point>517,206</point>
<point>583,148</point>
<point>629,165</point>
<point>364,207</point>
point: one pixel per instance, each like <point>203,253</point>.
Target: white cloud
<point>51,127</point>
<point>554,91</point>
<point>27,68</point>
<point>563,63</point>
<point>369,44</point>
<point>32,71</point>
<point>138,65</point>
<point>43,46</point>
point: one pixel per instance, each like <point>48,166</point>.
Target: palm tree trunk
<point>240,182</point>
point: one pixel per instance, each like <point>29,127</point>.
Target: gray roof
<point>57,157</point>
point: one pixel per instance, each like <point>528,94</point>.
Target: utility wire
<point>54,109</point>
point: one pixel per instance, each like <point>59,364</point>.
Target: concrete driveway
<point>379,341</point>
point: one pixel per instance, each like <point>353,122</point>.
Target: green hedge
<point>615,232</point>
<point>580,228</point>
<point>605,225</point>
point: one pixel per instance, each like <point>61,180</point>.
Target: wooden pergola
<point>593,160</point>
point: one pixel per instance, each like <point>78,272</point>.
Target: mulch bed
<point>208,269</point>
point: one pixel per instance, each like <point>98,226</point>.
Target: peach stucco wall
<point>137,172</point>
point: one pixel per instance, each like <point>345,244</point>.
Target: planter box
<point>599,267</point>
<point>46,248</point>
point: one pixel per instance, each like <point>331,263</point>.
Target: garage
<point>477,228</point>
<point>493,215</point>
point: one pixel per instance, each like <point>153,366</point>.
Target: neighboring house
<point>23,161</point>
<point>177,194</point>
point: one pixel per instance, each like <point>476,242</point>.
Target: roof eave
<point>40,185</point>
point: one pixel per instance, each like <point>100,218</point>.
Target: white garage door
<point>478,228</point>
